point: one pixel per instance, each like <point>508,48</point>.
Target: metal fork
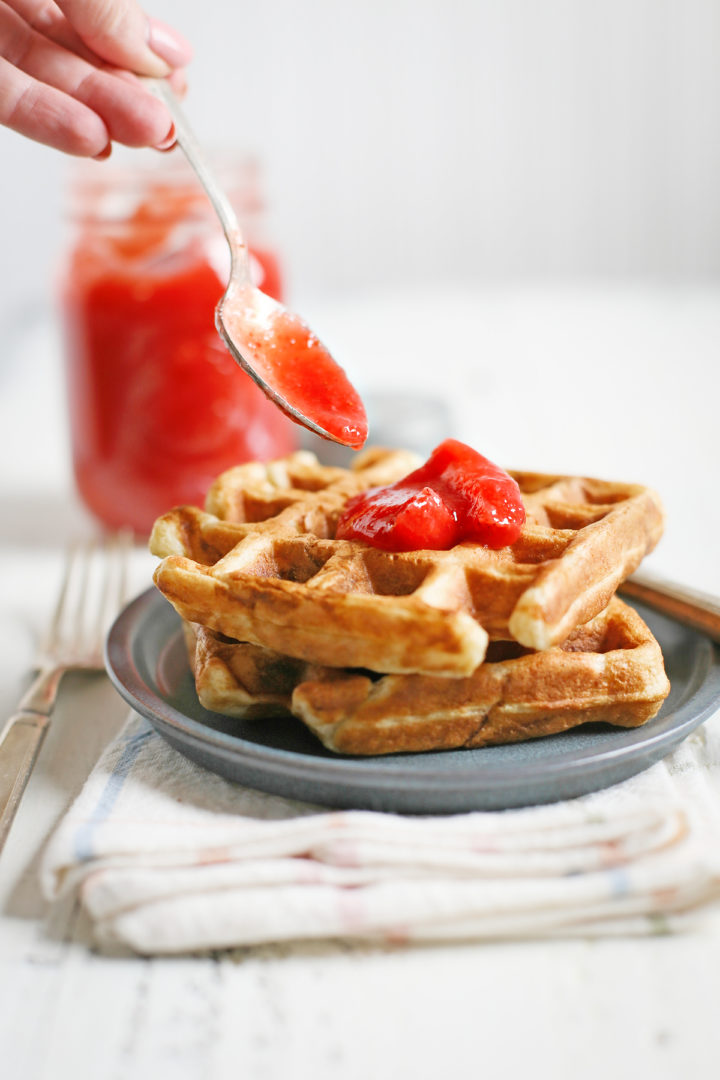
<point>93,590</point>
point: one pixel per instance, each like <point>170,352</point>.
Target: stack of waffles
<point>383,652</point>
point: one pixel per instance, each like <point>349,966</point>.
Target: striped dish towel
<point>167,857</point>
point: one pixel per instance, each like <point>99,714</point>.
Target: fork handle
<point>20,743</point>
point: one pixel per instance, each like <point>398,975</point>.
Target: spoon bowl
<point>276,348</point>
<point>293,368</point>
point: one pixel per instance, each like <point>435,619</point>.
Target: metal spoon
<point>276,348</point>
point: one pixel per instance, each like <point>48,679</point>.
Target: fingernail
<point>169,140</point>
<point>104,154</point>
<point>168,44</point>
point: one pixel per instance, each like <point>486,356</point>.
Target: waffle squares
<point>337,631</point>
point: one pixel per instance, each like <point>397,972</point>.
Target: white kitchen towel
<point>167,858</point>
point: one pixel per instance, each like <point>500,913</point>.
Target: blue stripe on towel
<point>110,793</point>
<point>619,882</point>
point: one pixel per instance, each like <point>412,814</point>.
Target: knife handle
<point>20,743</point>
<point>690,607</point>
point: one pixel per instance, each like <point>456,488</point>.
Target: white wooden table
<point>617,382</point>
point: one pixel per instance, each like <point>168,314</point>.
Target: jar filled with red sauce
<point>158,407</point>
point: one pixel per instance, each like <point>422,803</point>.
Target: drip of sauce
<point>456,495</point>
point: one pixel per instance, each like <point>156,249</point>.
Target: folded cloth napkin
<point>168,857</point>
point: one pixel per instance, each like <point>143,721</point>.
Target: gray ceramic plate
<point>146,660</point>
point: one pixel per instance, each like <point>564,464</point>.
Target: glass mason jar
<point>157,405</point>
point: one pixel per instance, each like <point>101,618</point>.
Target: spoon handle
<point>692,608</point>
<point>196,158</point>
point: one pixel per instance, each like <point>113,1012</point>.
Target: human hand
<point>68,73</point>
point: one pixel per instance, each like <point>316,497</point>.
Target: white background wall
<point>409,140</point>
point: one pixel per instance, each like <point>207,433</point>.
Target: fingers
<point>121,33</point>
<point>62,88</point>
<point>47,19</point>
<point>48,116</point>
<point>56,89</point>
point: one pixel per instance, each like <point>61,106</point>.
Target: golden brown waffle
<point>609,670</point>
<point>294,494</point>
<point>239,679</point>
<point>261,565</point>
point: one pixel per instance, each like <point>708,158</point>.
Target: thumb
<point>120,33</point>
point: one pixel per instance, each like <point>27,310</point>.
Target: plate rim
<point>363,770</point>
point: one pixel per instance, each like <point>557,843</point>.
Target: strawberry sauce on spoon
<point>276,348</point>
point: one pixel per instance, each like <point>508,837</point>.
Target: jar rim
<point>107,191</point>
